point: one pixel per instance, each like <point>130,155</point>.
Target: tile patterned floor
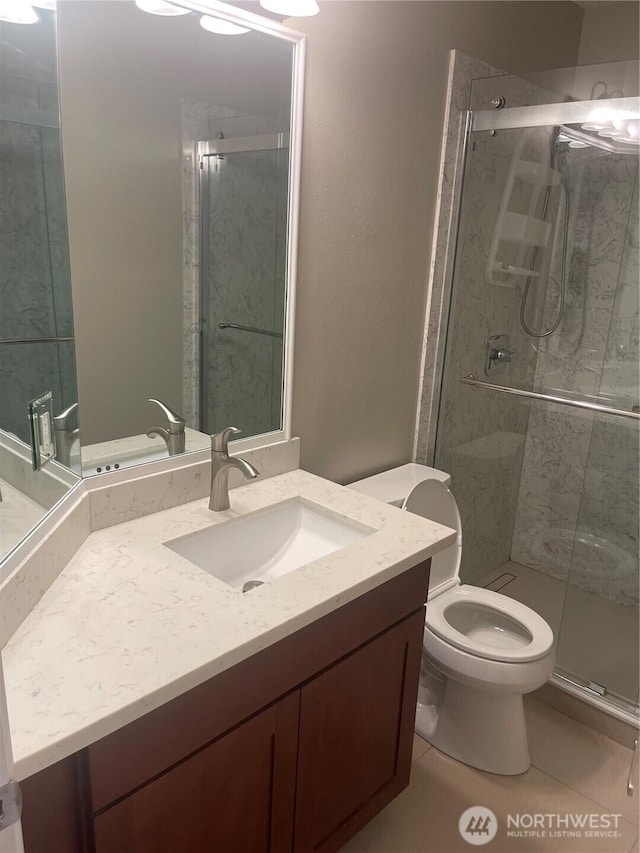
<point>574,771</point>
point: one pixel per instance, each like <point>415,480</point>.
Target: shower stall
<point>243,249</point>
<point>538,412</point>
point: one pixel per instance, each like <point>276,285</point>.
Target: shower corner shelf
<point>521,230</point>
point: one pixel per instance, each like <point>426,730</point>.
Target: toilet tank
<point>394,485</point>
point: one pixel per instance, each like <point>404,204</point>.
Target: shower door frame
<point>543,115</point>
<point>218,148</point>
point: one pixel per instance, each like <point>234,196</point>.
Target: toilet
<point>482,651</point>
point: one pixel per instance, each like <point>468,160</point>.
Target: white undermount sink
<point>270,542</point>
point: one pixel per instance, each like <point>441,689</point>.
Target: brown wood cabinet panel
<point>356,733</point>
<point>52,810</point>
<point>234,796</point>
<point>126,759</point>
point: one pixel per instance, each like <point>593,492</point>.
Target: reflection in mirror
<point>36,328</point>
<point>176,156</point>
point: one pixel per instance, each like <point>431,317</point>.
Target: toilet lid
<point>432,499</point>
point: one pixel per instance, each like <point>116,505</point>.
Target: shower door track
<point>551,398</point>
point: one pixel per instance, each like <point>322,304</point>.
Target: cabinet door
<point>356,733</point>
<point>236,794</point>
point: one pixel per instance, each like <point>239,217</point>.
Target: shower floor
<point>596,639</point>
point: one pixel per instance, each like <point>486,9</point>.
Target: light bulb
<point>160,7</point>
<point>17,12</point>
<point>220,26</point>
<point>291,8</point>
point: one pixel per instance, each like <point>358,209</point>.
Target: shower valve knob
<point>503,356</point>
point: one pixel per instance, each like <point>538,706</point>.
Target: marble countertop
<point>129,624</point>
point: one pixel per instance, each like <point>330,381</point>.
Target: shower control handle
<point>502,355</point>
<point>497,355</point>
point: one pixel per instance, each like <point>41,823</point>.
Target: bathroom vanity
<point>294,749</point>
<point>155,708</point>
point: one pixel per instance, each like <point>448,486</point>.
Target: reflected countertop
<point>18,515</point>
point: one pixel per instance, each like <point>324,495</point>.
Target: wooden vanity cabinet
<point>294,749</point>
<point>235,794</point>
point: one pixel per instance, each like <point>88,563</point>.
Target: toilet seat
<point>489,625</point>
<point>478,621</point>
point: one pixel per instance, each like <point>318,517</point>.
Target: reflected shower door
<point>243,275</point>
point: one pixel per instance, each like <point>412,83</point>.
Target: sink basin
<point>269,543</point>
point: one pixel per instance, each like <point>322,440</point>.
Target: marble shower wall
<point>35,288</point>
<point>246,216</point>
<point>577,510</point>
<point>481,433</point>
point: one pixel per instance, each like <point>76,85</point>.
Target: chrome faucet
<point>64,437</point>
<point>174,436</point>
<point>221,465</point>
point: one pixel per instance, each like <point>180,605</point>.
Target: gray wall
<point>375,92</point>
<point>610,33</point>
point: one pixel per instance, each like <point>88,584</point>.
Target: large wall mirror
<point>147,230</point>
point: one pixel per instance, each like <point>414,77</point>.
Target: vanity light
<point>159,7</point>
<point>17,12</point>
<point>620,125</point>
<point>291,8</point>
<point>224,28</point>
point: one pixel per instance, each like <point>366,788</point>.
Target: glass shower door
<point>601,602</point>
<point>536,423</point>
<point>243,267</point>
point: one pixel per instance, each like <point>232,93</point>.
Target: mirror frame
<point>297,40</point>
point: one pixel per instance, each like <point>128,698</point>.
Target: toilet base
<point>482,728</point>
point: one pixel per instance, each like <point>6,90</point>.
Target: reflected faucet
<point>174,436</point>
<point>221,465</point>
<point>64,436</point>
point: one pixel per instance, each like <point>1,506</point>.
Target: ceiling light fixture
<point>17,12</point>
<point>291,8</point>
<point>159,7</point>
<point>220,26</point>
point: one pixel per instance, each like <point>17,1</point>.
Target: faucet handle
<point>176,423</point>
<point>61,420</point>
<point>220,439</point>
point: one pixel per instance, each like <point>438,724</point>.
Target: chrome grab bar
<point>250,329</point>
<point>551,398</point>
